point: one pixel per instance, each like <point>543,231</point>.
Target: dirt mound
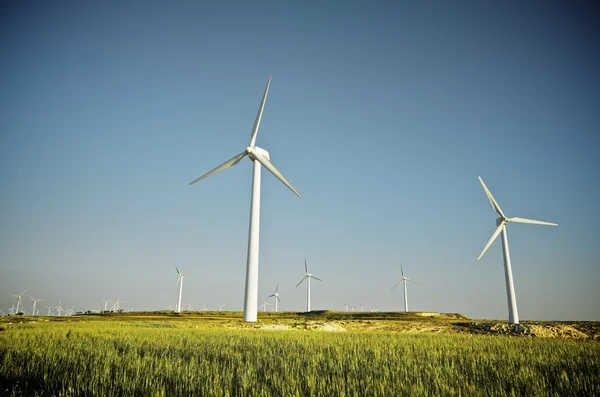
<point>543,331</point>
<point>321,326</point>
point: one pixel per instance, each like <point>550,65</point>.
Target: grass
<point>170,355</point>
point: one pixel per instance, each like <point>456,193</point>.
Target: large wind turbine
<point>404,280</point>
<point>19,300</point>
<point>307,277</point>
<point>259,157</point>
<point>513,314</point>
<point>180,281</point>
<point>276,296</point>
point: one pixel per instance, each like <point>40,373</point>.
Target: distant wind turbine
<point>404,280</point>
<point>35,301</point>
<point>49,310</point>
<point>264,306</point>
<point>116,306</point>
<point>276,296</point>
<point>259,157</point>
<point>307,277</point>
<point>18,300</point>
<point>513,314</point>
<point>180,281</point>
<point>59,308</point>
<point>105,303</point>
<point>220,307</point>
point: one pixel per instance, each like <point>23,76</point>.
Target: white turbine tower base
<point>259,157</point>
<point>501,222</point>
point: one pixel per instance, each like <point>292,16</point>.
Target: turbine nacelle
<point>251,151</point>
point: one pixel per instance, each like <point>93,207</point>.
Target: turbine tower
<point>404,280</point>
<point>513,314</point>
<point>276,296</point>
<point>180,281</point>
<point>259,157</point>
<point>307,277</point>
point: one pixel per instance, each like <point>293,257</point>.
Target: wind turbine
<point>115,306</point>
<point>49,310</point>
<point>59,308</point>
<point>220,307</point>
<point>276,296</point>
<point>259,157</point>
<point>105,302</point>
<point>35,301</point>
<point>513,314</point>
<point>19,300</point>
<point>180,281</point>
<point>264,306</point>
<point>404,280</point>
<point>307,277</point>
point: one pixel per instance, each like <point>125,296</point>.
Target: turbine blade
<point>397,284</point>
<point>491,240</point>
<point>231,162</point>
<point>270,296</point>
<point>300,281</point>
<point>494,203</point>
<point>259,114</point>
<point>276,288</point>
<point>316,278</point>
<point>531,221</point>
<point>279,300</point>
<point>412,281</point>
<point>176,268</point>
<point>268,165</point>
<point>402,271</point>
<point>305,266</point>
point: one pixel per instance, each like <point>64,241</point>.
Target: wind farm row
<point>115,305</point>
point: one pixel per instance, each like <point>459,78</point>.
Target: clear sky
<point>381,114</point>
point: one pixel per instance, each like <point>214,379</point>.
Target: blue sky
<point>381,115</point>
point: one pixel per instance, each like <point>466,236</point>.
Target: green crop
<point>120,358</point>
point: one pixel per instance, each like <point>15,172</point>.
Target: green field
<point>285,355</point>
